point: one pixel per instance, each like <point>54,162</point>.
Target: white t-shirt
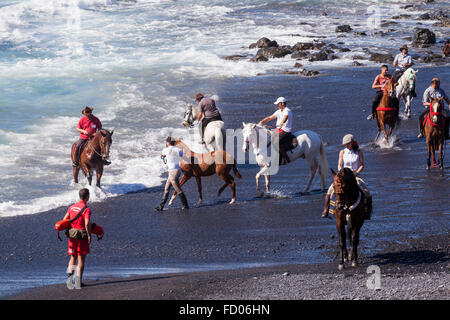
<point>350,159</point>
<point>173,155</point>
<point>287,126</point>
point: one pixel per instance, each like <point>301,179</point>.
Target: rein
<point>430,114</point>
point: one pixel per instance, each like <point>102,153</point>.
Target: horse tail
<point>235,170</point>
<point>323,165</point>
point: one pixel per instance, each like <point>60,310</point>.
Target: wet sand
<point>410,220</point>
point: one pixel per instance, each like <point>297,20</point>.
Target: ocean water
<point>138,63</point>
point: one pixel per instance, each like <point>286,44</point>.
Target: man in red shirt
<point>79,247</point>
<point>88,125</point>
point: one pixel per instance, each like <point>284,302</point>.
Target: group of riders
<point>350,157</point>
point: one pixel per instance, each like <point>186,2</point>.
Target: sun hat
<point>347,139</point>
<point>404,47</point>
<point>87,110</point>
<point>199,96</point>
<point>280,99</point>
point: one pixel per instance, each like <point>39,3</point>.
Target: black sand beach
<point>407,236</point>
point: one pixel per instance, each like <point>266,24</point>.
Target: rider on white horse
<point>402,62</point>
<point>208,112</point>
<point>434,92</point>
<point>378,84</point>
<point>284,118</point>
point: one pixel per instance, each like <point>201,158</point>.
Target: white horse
<point>214,131</point>
<point>309,147</point>
<point>404,89</point>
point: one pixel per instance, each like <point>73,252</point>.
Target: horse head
<point>345,188</point>
<point>389,88</point>
<point>105,143</point>
<point>435,109</point>
<point>189,116</point>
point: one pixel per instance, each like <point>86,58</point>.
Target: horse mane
<point>347,176</point>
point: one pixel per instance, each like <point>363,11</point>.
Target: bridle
<point>347,207</point>
<point>108,144</point>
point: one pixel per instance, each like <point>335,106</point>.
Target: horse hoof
<point>345,260</point>
<point>341,267</point>
<point>354,264</point>
<point>260,194</point>
<point>232,201</point>
<point>428,168</point>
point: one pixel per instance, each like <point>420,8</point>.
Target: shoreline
<point>418,270</point>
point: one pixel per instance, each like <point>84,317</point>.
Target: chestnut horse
<point>434,126</point>
<point>387,111</point>
<point>349,210</point>
<point>206,164</point>
<point>95,152</point>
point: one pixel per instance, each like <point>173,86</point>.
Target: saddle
<point>77,149</point>
<point>292,142</point>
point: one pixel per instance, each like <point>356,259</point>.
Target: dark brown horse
<point>349,210</point>
<point>206,164</point>
<point>387,111</point>
<point>95,152</point>
<point>435,133</point>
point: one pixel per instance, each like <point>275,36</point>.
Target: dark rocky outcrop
<point>299,54</point>
<point>264,43</point>
<point>235,57</point>
<point>381,57</point>
<point>357,64</point>
<point>274,52</point>
<point>259,59</point>
<point>343,28</point>
<point>303,72</point>
<point>423,38</point>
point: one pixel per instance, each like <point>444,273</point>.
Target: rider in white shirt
<point>284,118</point>
<point>402,61</point>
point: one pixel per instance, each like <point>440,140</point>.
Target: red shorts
<point>78,247</point>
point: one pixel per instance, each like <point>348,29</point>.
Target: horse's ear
<point>112,131</point>
<point>244,124</point>
<point>253,125</point>
<point>103,132</point>
<point>333,173</point>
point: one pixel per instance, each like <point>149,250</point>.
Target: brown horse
<point>206,164</point>
<point>349,210</point>
<point>387,111</point>
<point>93,155</point>
<point>434,126</point>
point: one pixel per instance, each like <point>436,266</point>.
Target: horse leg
<point>428,153</point>
<point>99,175</point>
<point>267,178</point>
<point>258,175</point>
<point>199,188</point>
<point>340,226</point>
<point>355,242</point>
<point>229,181</point>
<point>313,166</point>
<point>76,171</point>
<point>441,156</point>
